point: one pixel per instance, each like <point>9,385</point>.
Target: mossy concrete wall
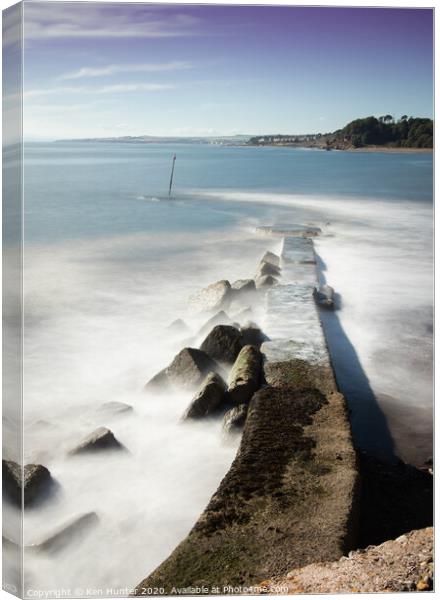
<point>290,497</point>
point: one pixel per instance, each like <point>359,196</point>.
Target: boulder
<point>189,368</point>
<point>115,408</point>
<point>223,343</point>
<point>102,439</point>
<point>266,268</point>
<point>253,336</point>
<point>245,376</point>
<point>72,531</point>
<point>265,281</point>
<point>243,286</point>
<point>208,399</point>
<point>213,297</point>
<point>271,258</point>
<point>324,296</point>
<point>159,383</point>
<point>220,318</point>
<point>35,480</point>
<point>178,327</point>
<point>235,418</point>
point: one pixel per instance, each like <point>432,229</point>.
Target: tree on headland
<point>407,132</point>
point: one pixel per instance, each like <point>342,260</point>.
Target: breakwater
<point>290,497</point>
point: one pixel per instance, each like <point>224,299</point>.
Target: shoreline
<point>365,149</point>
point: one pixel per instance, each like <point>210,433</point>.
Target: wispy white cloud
<point>121,88</point>
<point>109,70</point>
<point>79,20</point>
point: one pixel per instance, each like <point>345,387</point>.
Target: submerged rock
<point>271,258</point>
<point>265,281</point>
<point>159,383</point>
<point>115,408</point>
<point>178,327</point>
<point>235,418</point>
<point>208,399</point>
<point>102,439</point>
<point>213,297</point>
<point>35,480</point>
<point>324,296</point>
<point>189,368</point>
<point>244,315</point>
<point>245,375</point>
<point>223,343</point>
<point>72,531</point>
<point>243,286</point>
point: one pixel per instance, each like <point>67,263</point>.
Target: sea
<point>110,261</point>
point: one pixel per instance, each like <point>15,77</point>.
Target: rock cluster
<point>225,346</point>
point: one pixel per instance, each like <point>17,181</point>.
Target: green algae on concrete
<point>289,498</point>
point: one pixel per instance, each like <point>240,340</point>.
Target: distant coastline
<point>369,134</point>
<point>362,149</point>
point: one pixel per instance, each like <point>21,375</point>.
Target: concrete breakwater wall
<point>290,497</point>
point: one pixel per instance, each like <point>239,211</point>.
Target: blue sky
<point>97,70</point>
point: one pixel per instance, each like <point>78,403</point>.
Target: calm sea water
<point>93,189</point>
<point>110,262</point>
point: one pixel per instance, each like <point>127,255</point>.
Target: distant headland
<point>367,134</point>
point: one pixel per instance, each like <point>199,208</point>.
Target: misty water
<point>109,263</point>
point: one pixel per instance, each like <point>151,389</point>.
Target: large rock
<point>401,565</point>
<point>245,376</point>
<point>208,399</point>
<point>213,297</point>
<point>265,281</point>
<point>243,286</point>
<point>266,268</point>
<point>220,318</point>
<point>235,418</point>
<point>189,368</point>
<point>324,296</point>
<point>35,480</point>
<point>159,383</point>
<point>187,371</point>
<point>102,439</point>
<point>223,343</point>
<point>253,336</point>
<point>72,531</point>
<point>271,258</point>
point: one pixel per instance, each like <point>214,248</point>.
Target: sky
<point>98,70</point>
